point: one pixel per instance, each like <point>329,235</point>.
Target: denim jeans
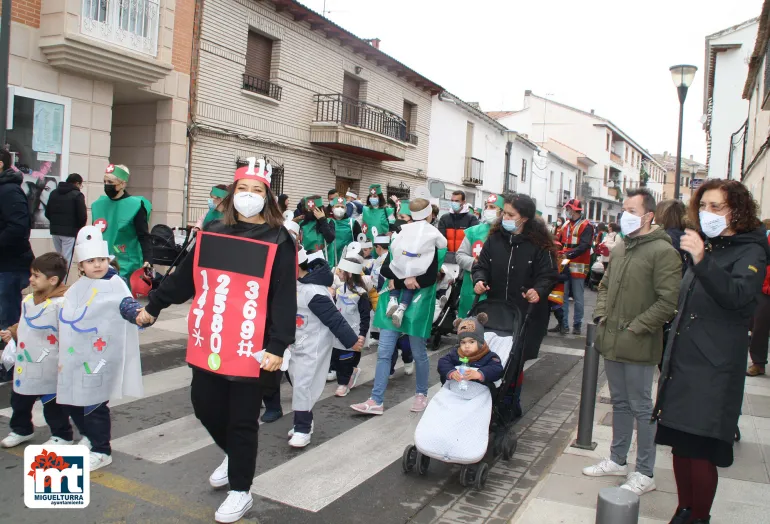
<point>388,339</point>
<point>574,287</point>
<point>65,246</point>
<point>11,284</point>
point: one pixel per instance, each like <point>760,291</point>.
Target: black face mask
<point>110,190</point>
<point>398,223</point>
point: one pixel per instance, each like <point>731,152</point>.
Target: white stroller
<point>456,426</point>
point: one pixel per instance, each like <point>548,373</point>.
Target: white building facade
<point>724,109</point>
<point>553,180</point>
<point>467,152</point>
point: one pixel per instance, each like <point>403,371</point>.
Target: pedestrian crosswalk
<point>160,429</point>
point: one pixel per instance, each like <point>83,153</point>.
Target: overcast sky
<point>608,55</point>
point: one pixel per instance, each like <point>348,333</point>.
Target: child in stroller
<point>484,366</point>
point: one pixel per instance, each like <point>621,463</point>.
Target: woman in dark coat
<point>701,384</point>
<point>517,265</point>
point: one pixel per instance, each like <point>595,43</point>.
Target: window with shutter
<point>259,52</point>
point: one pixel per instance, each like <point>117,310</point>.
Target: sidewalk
<point>565,496</point>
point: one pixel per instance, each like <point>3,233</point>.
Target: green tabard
<point>343,231</point>
<point>477,233</point>
<point>379,218</point>
<point>116,219</point>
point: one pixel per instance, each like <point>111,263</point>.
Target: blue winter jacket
<point>489,365</point>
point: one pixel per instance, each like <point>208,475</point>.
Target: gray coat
<point>701,385</point>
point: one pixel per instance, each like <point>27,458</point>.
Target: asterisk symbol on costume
<point>51,339</point>
<point>198,337</point>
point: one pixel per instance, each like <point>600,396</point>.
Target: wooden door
<point>351,90</point>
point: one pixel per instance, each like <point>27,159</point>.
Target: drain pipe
<point>186,189</point>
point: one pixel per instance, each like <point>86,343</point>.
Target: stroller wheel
<point>435,343</point>
<point>466,475</point>
<point>409,459</point>
<point>423,461</point>
<point>509,447</point>
<point>481,475</point>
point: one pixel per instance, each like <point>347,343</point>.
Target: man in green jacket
<point>637,296</point>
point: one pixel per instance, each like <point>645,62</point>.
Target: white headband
<point>382,240</point>
<point>351,194</point>
<point>422,214</point>
<point>315,256</point>
<point>350,266</point>
<point>366,245</point>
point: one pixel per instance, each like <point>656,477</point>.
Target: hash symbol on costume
<point>248,344</point>
<point>198,337</point>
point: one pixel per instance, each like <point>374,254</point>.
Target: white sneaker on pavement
<point>639,483</point>
<point>420,403</point>
<point>14,439</point>
<point>606,468</point>
<point>219,477</point>
<point>331,376</point>
<point>234,507</point>
<point>299,440</point>
<point>312,428</point>
<point>409,368</point>
<point>342,391</point>
<point>99,460</point>
<point>57,441</point>
<point>354,378</point>
<point>85,442</point>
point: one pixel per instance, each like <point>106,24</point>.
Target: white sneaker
<point>606,468</point>
<point>99,460</point>
<point>398,316</point>
<point>354,378</point>
<point>442,301</point>
<point>57,441</point>
<point>85,442</point>
<point>219,477</point>
<point>409,368</point>
<point>234,507</point>
<point>312,428</point>
<point>331,376</point>
<point>299,440</point>
<point>14,439</point>
<point>392,306</point>
<point>342,391</point>
<point>639,483</point>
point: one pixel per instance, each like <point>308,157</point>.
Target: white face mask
<point>712,224</point>
<point>248,204</point>
<point>338,212</point>
<point>630,223</point>
<point>489,216</point>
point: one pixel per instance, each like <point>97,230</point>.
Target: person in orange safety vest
<point>576,237</point>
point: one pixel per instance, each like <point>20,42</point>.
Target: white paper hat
<point>288,215</point>
<point>291,226</point>
<point>351,194</point>
<point>316,255</point>
<point>382,240</point>
<point>354,268</point>
<point>90,244</point>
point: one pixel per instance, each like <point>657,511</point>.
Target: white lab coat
<point>413,249</point>
<point>37,348</point>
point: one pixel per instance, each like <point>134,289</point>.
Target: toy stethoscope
<point>29,320</point>
<point>73,322</point>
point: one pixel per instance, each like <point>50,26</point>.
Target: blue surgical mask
<point>210,202</point>
<point>374,201</point>
<point>510,225</point>
<point>456,206</point>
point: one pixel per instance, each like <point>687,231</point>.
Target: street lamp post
<point>682,75</point>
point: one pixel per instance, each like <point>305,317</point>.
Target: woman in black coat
<point>517,265</point>
<point>701,384</point>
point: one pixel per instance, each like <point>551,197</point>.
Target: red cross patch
<point>364,228</point>
<point>310,204</point>
<point>101,224</point>
<point>492,199</point>
<point>22,345</point>
<point>51,339</point>
<point>100,345</point>
<point>110,168</point>
<point>477,246</point>
<point>300,321</point>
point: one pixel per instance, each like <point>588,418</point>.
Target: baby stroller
<point>446,307</point>
<point>168,246</point>
<point>473,427</point>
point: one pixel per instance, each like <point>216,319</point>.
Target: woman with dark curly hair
<point>701,384</point>
<point>517,265</point>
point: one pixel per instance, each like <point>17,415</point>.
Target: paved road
<point>349,474</point>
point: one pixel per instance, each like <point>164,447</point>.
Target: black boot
<point>682,516</point>
<point>701,521</point>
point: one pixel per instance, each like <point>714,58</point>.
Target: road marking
<point>318,477</point>
<point>154,384</point>
<point>176,438</point>
<point>187,508</point>
<point>562,350</point>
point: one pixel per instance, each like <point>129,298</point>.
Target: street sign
<point>695,183</point>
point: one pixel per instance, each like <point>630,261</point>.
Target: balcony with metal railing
<point>113,40</point>
<point>360,128</point>
<point>262,87</point>
<point>473,174</point>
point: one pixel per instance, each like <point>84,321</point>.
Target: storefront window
<point>38,139</point>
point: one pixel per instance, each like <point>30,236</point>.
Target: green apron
<point>212,215</point>
<point>116,218</point>
<point>477,233</point>
<point>312,240</point>
<point>377,217</point>
<point>343,235</point>
<point>418,319</point>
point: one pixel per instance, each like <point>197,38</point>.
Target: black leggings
<point>343,362</point>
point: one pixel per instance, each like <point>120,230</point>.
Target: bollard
<point>588,393</point>
<point>617,506</point>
